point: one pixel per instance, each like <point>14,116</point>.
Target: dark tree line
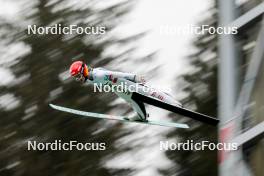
<point>43,69</point>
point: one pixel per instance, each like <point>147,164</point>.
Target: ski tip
<point>52,105</point>
<point>180,125</point>
<point>186,126</point>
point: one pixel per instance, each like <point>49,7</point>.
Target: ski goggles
<point>80,76</point>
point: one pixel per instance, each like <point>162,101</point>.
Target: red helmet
<point>76,68</point>
<point>79,70</point>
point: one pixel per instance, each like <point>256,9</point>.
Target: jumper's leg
<point>140,111</point>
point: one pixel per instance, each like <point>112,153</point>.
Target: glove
<point>140,79</point>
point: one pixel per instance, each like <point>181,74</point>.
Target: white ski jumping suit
<point>130,83</point>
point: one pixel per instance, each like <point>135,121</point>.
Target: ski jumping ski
<point>118,118</point>
<point>178,110</point>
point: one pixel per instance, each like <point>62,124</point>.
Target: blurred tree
<point>41,78</point>
<point>200,86</point>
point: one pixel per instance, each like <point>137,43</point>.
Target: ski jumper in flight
<point>100,76</point>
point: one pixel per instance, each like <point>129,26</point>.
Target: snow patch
<point>8,102</point>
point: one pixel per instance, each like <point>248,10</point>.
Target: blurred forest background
<point>39,65</point>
